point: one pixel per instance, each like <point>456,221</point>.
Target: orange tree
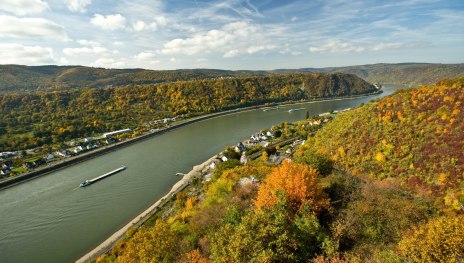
<point>297,182</point>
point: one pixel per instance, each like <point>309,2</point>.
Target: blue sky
<point>230,34</point>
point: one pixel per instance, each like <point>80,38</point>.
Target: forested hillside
<point>29,120</point>
<point>403,73</point>
<point>414,136</point>
<point>381,183</point>
<point>17,78</point>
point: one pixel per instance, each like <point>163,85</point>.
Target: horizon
<point>302,68</point>
<point>230,34</point>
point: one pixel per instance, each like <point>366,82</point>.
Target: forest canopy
<point>34,119</point>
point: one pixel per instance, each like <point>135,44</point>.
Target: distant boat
<point>292,110</point>
<point>271,108</point>
<point>96,179</point>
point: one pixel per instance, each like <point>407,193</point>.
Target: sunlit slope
<point>415,135</point>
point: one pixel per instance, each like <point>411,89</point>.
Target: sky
<point>230,34</point>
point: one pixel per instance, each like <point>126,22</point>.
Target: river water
<point>51,219</point>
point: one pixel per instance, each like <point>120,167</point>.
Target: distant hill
<point>403,73</point>
<point>17,78</point>
<point>34,119</point>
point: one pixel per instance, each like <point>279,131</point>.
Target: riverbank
<point>185,182</point>
<point>85,156</point>
<point>145,215</point>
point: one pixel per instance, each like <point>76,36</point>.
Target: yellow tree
<point>439,240</point>
<point>155,244</point>
<point>299,184</point>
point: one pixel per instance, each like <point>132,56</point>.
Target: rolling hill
<point>17,78</point>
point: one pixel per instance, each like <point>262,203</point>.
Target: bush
<point>321,162</point>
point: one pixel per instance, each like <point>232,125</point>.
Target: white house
<point>247,180</point>
<point>243,158</point>
<point>5,172</point>
<point>78,149</point>
<point>49,157</point>
<point>63,154</point>
<point>108,134</point>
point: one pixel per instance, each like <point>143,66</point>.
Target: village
<point>13,163</point>
<point>275,145</point>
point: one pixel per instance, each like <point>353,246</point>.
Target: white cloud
<point>23,7</point>
<point>231,53</point>
<point>91,43</point>
<point>213,40</point>
<point>139,25</point>
<point>90,47</point>
<point>255,49</point>
<point>11,26</point>
<point>83,51</point>
<point>78,5</point>
<point>383,46</point>
<point>145,55</point>
<point>336,46</point>
<point>12,53</point>
<point>108,63</point>
<point>109,22</point>
<point>161,21</point>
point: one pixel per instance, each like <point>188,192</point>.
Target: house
<point>207,177</point>
<point>63,154</point>
<point>71,143</point>
<point>49,157</point>
<point>28,165</point>
<point>224,159</point>
<point>5,172</point>
<point>244,158</point>
<point>247,180</point>
<point>214,163</point>
<point>8,154</point>
<point>38,162</point>
<point>240,148</point>
<point>78,149</point>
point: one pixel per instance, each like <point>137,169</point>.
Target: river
<point>51,219</point>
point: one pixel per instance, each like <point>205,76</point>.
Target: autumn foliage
<point>440,240</point>
<point>414,135</point>
<point>297,182</point>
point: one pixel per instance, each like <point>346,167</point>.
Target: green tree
<point>320,161</point>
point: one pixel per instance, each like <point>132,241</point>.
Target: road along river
<point>51,219</point>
